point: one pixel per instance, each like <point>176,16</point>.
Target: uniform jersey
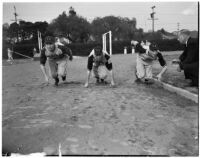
<point>59,53</point>
<point>97,61</point>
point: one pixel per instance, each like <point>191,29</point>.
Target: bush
<point>118,47</point>
<point>80,49</point>
<point>168,45</point>
<point>25,49</point>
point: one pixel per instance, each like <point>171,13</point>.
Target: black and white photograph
<point>102,78</point>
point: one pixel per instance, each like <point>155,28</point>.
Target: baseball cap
<point>49,40</point>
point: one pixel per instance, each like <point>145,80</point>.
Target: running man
<point>57,57</point>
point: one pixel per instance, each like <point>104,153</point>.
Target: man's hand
<point>112,84</point>
<point>159,77</point>
<point>86,85</point>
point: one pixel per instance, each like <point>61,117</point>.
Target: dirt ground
<point>129,119</point>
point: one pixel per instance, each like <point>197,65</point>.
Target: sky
<point>168,14</point>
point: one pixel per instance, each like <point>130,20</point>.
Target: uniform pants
<point>57,68</point>
<point>143,69</point>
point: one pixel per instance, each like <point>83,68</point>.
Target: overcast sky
<point>169,14</point>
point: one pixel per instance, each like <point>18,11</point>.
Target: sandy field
<point>130,119</point>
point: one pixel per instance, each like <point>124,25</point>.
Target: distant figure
<point>189,59</point>
<point>34,51</point>
<point>99,62</point>
<point>10,56</point>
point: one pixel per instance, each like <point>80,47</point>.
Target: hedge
<point>118,47</point>
<point>168,45</point>
<point>80,49</point>
<point>25,48</point>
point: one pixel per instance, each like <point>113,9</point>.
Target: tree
<point>39,26</point>
<point>75,28</point>
<point>13,31</point>
<point>5,30</point>
<point>122,28</point>
<point>25,30</point>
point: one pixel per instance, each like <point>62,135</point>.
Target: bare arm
<point>164,69</point>
<point>44,72</point>
<point>88,78</point>
<point>112,78</point>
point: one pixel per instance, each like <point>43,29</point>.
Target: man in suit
<point>189,59</point>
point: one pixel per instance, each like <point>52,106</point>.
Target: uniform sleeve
<point>68,51</point>
<point>161,60</point>
<point>65,51</point>
<point>108,62</point>
<point>90,63</point>
<point>107,57</point>
<point>43,57</point>
<point>139,49</point>
<point>183,55</point>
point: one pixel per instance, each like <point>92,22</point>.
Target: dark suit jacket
<point>191,52</point>
<point>190,59</point>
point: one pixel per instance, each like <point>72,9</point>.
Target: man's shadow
<point>66,84</point>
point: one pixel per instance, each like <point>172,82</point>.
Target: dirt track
<point>130,119</point>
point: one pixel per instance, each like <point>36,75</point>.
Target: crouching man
<point>146,55</point>
<point>99,62</point>
<point>57,57</point>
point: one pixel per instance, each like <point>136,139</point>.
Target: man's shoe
<point>97,81</point>
<point>63,78</point>
<point>149,81</point>
<point>56,81</point>
<point>103,81</point>
<point>138,80</point>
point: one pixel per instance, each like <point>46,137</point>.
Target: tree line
<point>74,27</point>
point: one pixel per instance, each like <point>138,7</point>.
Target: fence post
<point>133,50</point>
<point>125,50</point>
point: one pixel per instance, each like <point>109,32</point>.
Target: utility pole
<point>15,14</point>
<point>16,20</point>
<point>178,25</point>
<point>153,17</point>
